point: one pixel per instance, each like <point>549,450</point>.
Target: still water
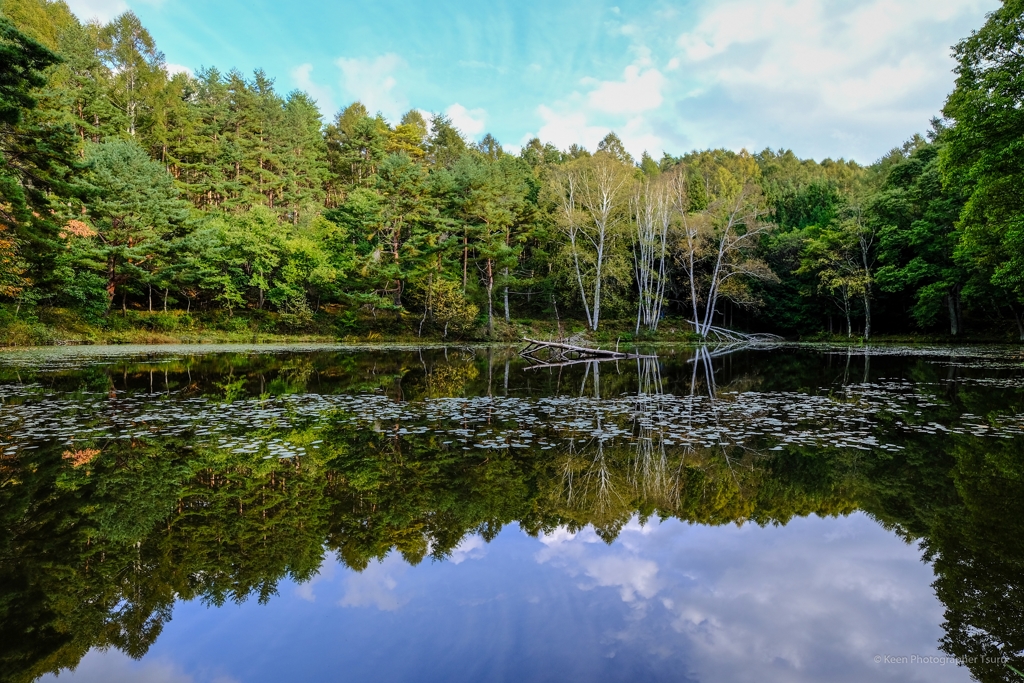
<point>250,514</point>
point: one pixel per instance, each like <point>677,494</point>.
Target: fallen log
<point>536,345</point>
<point>540,365</point>
<point>724,334</point>
<point>561,350</point>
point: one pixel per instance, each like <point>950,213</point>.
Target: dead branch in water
<point>561,353</point>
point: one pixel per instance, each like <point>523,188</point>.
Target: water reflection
<point>664,602</point>
<point>131,484</point>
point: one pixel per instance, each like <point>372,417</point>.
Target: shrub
<point>25,333</point>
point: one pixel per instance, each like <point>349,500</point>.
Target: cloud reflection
<point>113,666</point>
<point>471,548</point>
<point>812,601</point>
<point>635,577</point>
<point>375,586</point>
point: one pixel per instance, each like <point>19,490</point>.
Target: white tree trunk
<point>508,317</point>
<point>594,192</point>
<point>572,229</point>
<point>651,218</point>
<point>599,198</point>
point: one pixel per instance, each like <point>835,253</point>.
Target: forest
<point>134,198</point>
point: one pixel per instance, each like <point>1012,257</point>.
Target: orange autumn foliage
<point>78,229</point>
<point>12,268</point>
<point>81,457</point>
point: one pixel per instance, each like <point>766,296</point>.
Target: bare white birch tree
<point>568,188</point>
<point>591,192</point>
<point>689,258</point>
<point>651,218</point>
<point>738,228</point>
<point>719,235</point>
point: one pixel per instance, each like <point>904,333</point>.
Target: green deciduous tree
<point>984,151</point>
<point>833,255</point>
<point>915,218</point>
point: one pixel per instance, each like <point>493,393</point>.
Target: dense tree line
<point>123,186</point>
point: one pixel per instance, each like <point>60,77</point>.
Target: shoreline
<point>56,327</point>
<point>286,341</point>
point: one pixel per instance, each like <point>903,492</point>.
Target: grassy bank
<point>50,326</point>
<point>53,326</point>
<point>47,326</point>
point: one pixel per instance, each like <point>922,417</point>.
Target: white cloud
<point>840,79</point>
<point>302,76</point>
<point>633,576</point>
<point>796,46</point>
<point>102,10</point>
<point>565,129</point>
<point>173,69</point>
<point>638,91</point>
<point>777,603</point>
<point>325,572</point>
<point>557,537</point>
<point>572,126</point>
<point>638,137</point>
<point>617,104</point>
<point>812,601</point>
<point>372,82</point>
<point>817,71</point>
<point>470,121</point>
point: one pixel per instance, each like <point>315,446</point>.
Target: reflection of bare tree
<point>599,478</point>
<point>846,372</point>
<point>649,473</point>
<point>648,370</point>
<point>703,366</point>
<point>587,478</point>
<point>596,477</point>
<point>664,461</point>
<point>568,472</point>
<point>703,359</point>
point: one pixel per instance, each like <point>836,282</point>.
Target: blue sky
<point>826,78</point>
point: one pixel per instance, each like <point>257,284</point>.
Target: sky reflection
<point>814,600</point>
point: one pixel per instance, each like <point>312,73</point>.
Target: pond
<point>316,513</point>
